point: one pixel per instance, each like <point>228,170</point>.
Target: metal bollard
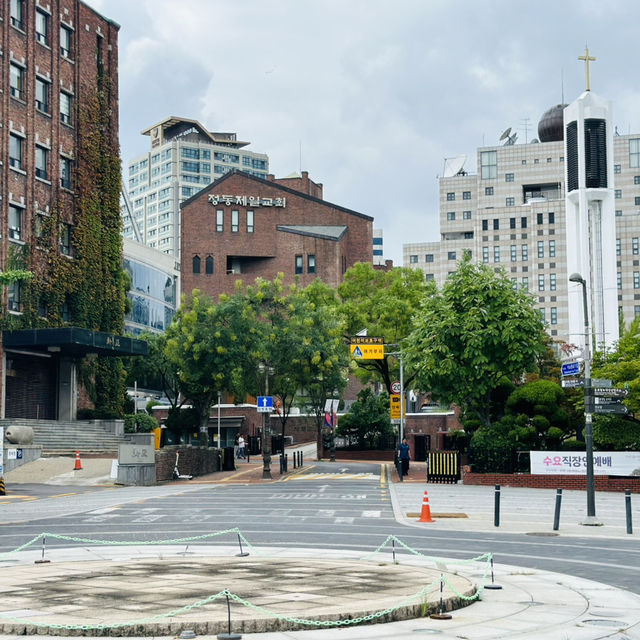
<point>556,516</point>
<point>496,507</point>
<point>286,462</point>
<point>295,459</point>
<point>627,502</point>
<point>301,460</point>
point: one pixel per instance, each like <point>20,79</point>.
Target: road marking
<point>371,514</point>
<point>335,476</point>
<point>343,521</point>
<point>383,475</point>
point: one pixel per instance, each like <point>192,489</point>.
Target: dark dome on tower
<point>551,126</point>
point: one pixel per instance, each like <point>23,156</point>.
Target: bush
<point>491,450</point>
<point>139,423</point>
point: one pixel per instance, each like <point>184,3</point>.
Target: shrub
<point>139,423</point>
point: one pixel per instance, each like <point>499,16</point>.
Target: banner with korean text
<point>605,463</point>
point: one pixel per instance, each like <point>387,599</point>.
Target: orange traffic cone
<point>425,516</point>
<point>78,466</point>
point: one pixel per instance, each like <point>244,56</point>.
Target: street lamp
<point>591,519</point>
<point>266,435</point>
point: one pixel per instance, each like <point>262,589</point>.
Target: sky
<point>370,96</point>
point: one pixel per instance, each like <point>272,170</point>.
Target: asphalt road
<point>341,506</point>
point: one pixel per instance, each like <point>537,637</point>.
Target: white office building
<point>183,158</point>
<point>512,215</point>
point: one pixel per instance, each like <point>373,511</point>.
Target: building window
<point>42,95</point>
<point>618,193</point>
<point>540,248</point>
<point>552,282</point>
<point>65,172</point>
<point>637,200</point>
<point>525,252</point>
<point>15,222</point>
<point>554,315</point>
<point>552,217</point>
<point>65,240</point>
<point>525,283</point>
<point>451,255</point>
<point>496,224</point>
<point>510,202</point>
<point>234,221</point>
<point>249,221</point>
<point>636,310</point>
<point>636,179</point>
<point>451,196</point>
<point>618,213</point>
<point>17,14</point>
<point>299,264</point>
<point>636,279</point>
<point>42,27</point>
<point>541,283</point>
<point>428,257</point>
<point>536,161</point>
<point>618,247</point>
<point>66,102</point>
<point>488,191</point>
<point>634,246</point>
<point>485,255</point>
<point>16,81</point>
<point>617,168</point>
<point>466,195</point>
<point>42,163</point>
<point>311,263</point>
<point>208,265</point>
<point>195,264</point>
<point>451,215</point>
<point>15,151</point>
<point>512,223</point>
<point>523,223</point>
<point>552,248</point>
<point>508,177</point>
<point>489,165</point>
<point>514,253</point>
<point>14,298</point>
<point>413,259</point>
<point>485,225</point>
<point>65,41</point>
<point>619,280</point>
<point>539,218</point>
<point>549,160</point>
<point>466,215</point>
<point>468,235</point>
<point>428,277</point>
<point>219,220</point>
<point>514,284</point>
<point>496,254</point>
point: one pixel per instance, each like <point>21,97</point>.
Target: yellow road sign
<point>367,351</point>
<point>395,399</point>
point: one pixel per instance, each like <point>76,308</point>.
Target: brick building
<point>56,57</point>
<point>242,227</point>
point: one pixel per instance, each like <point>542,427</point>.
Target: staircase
<point>59,438</point>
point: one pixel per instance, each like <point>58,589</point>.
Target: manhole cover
<point>606,623</point>
<point>541,533</point>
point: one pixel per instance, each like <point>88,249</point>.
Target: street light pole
<point>266,435</point>
<point>591,519</point>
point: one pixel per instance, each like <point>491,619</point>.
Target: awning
<point>74,342</point>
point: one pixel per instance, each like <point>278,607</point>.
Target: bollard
<point>493,585</point>
<point>43,560</point>
<point>393,549</point>
<point>301,460</point>
<point>496,509</point>
<point>295,459</point>
<point>242,554</point>
<point>441,615</point>
<point>556,517</point>
<point>627,502</point>
<point>286,462</point>
<point>228,635</point>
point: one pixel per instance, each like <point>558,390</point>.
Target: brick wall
<point>568,482</point>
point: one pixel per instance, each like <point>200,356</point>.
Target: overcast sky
<point>370,96</point>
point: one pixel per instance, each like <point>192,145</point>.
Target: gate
<point>443,467</point>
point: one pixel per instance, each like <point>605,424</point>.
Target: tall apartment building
<point>511,215</point>
<point>183,158</point>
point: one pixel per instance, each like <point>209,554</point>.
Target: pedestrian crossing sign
<point>367,351</point>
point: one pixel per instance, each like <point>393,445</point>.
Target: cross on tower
<point>587,58</point>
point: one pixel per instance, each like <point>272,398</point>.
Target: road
<point>339,505</point>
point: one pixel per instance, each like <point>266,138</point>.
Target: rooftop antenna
<point>525,126</point>
<point>562,85</point>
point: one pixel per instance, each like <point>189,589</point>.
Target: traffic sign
<point>610,408</point>
<point>607,400</point>
<point>603,392</point>
<point>395,387</point>
<point>265,404</point>
<point>396,401</point>
<point>573,383</point>
<point>367,351</point>
<point>601,382</point>
<point>571,368</point>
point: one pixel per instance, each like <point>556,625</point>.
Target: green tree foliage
<point>492,449</point>
<point>383,302</point>
<point>615,433</point>
<point>367,424</point>
<point>470,335</point>
<point>211,346</point>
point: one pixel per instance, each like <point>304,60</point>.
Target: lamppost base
<point>266,474</point>
<point>592,521</point>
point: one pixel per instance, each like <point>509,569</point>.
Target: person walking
<point>404,456</point>
<point>235,446</point>
<point>241,447</point>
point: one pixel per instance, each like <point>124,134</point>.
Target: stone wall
<point>194,461</point>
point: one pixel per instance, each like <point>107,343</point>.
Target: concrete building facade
<point>511,215</point>
<point>242,227</point>
<point>183,158</point>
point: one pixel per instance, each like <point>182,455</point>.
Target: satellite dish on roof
<point>535,141</point>
<point>505,134</point>
<point>454,166</point>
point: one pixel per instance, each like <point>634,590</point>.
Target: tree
<point>383,302</point>
<point>472,334</point>
<point>212,347</point>
<point>367,422</point>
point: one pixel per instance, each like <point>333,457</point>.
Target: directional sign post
<point>603,392</point>
<point>265,404</point>
<point>611,408</point>
<point>571,368</point>
<point>573,383</point>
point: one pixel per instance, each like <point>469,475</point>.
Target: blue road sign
<point>265,404</point>
<point>570,368</point>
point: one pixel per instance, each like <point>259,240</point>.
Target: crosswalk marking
<point>334,476</point>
